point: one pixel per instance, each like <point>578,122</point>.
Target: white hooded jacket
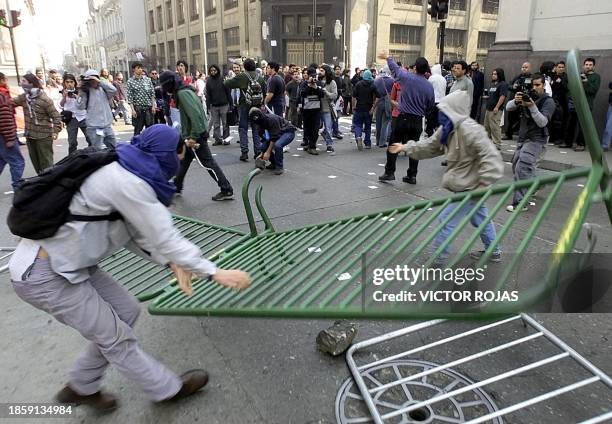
<point>438,82</point>
<point>472,158</point>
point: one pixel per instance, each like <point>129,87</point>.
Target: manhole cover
<point>350,407</point>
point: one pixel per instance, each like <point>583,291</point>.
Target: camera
<point>525,87</point>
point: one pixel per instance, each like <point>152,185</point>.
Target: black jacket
<point>275,125</point>
<point>560,90</point>
<point>217,94</point>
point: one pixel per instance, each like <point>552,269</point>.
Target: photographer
<point>94,96</point>
<point>560,90</point>
<point>535,109</point>
<point>515,86</point>
<point>72,116</point>
<point>311,94</point>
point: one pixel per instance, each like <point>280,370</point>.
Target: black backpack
<point>41,204</point>
<point>253,94</point>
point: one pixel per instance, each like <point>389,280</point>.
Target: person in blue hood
<point>60,274</point>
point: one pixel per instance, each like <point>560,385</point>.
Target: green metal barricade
<point>146,280</point>
<point>324,270</point>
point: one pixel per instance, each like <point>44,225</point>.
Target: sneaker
<point>279,171</point>
<point>579,149</point>
<point>312,151</point>
<point>244,157</point>
<point>286,149</point>
<point>223,195</point>
<point>330,149</point>
<point>227,140</point>
<point>386,177</point>
<point>304,144</point>
<point>339,136</point>
<point>193,381</point>
<point>512,208</point>
<point>217,143</point>
<point>444,163</point>
<point>368,146</point>
<point>409,180</point>
<point>495,257</point>
<point>359,143</point>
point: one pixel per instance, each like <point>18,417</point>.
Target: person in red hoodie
<point>9,144</point>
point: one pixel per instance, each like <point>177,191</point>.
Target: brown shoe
<point>100,401</point>
<point>193,381</point>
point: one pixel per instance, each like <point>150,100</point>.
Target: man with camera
<point>72,116</point>
<point>515,85</point>
<point>535,109</point>
<point>94,97</point>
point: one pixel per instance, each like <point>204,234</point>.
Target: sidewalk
<point>555,159</point>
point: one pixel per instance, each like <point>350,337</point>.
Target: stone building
<point>539,30</point>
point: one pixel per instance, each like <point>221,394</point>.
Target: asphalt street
<point>269,370</point>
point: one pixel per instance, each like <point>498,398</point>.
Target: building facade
<point>540,30</point>
<point>352,31</point>
<point>117,36</point>
<point>30,54</point>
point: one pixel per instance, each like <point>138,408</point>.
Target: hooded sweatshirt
<point>99,114</point>
<point>472,157</point>
<point>438,82</point>
<point>217,93</point>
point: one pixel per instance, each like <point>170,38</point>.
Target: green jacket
<point>591,87</point>
<point>241,81</point>
<point>193,119</point>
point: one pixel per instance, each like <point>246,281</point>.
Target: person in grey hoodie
<point>94,97</point>
<point>473,163</point>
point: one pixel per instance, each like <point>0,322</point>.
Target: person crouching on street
<point>194,130</point>
<point>276,133</point>
<point>60,274</point>
<point>473,163</point>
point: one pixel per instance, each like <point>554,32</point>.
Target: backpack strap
<point>113,216</point>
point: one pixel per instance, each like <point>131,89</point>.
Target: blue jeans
<point>383,123</point>
<point>243,132</point>
<point>327,121</point>
<point>12,156</point>
<point>335,128</point>
<point>363,123</point>
<point>487,236</point>
<point>607,135</point>
<point>107,138</point>
<point>277,153</point>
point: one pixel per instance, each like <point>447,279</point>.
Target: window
<point>415,2</point>
<point>289,24</point>
<point>160,18</point>
<point>169,20</point>
<point>154,52</point>
<point>490,6</point>
<point>485,39</point>
<point>211,40</point>
<point>404,34</point>
<point>180,11</point>
<point>457,5</point>
<point>453,38</point>
<point>210,7</point>
<point>321,21</point>
<point>171,54</point>
<point>162,55</point>
<point>151,22</point>
<point>304,21</point>
<point>194,7</point>
<point>182,48</point>
<point>233,54</point>
<point>213,58</point>
<point>230,4</point>
<point>407,57</point>
<point>195,42</point>
<point>231,36</point>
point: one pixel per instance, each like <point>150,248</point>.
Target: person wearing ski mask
<point>473,163</point>
<point>60,274</point>
<point>42,122</point>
